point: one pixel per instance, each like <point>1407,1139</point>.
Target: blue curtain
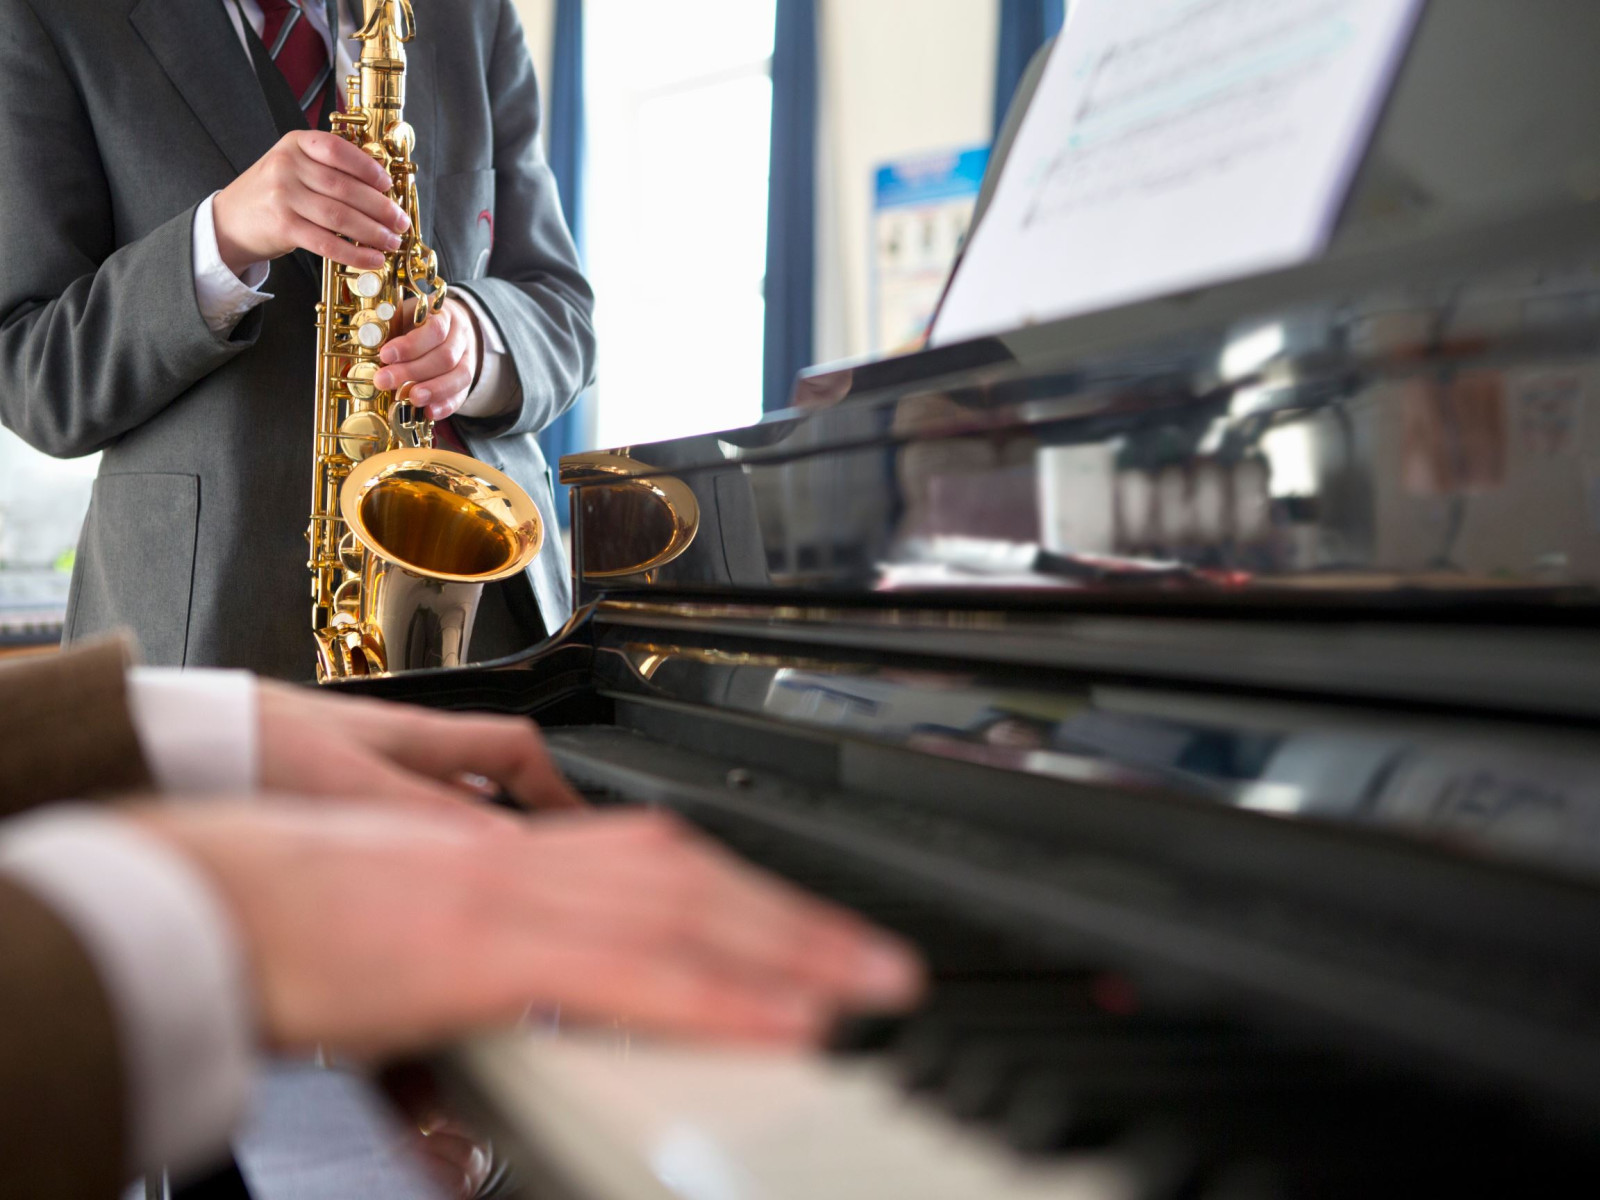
<point>1025,25</point>
<point>791,202</point>
<point>569,432</point>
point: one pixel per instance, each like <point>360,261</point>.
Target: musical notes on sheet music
<point>1187,99</point>
<point>1176,143</point>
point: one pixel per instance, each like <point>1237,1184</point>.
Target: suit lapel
<point>195,43</point>
<point>286,117</point>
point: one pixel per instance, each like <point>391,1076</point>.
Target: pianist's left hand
<point>374,931</point>
<point>316,744</point>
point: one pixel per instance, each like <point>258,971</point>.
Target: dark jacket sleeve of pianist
<point>62,1106</point>
<point>533,288</point>
<point>66,730</point>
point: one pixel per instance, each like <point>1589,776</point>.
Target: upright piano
<point>1209,686</point>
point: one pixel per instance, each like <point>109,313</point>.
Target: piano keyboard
<point>1027,1072</point>
<point>616,1119</point>
<point>983,1094</point>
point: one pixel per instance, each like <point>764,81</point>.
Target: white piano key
<point>622,1119</point>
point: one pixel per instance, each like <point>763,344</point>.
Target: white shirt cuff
<point>223,297</point>
<point>498,388</point>
<point>171,962</point>
<point>199,729</point>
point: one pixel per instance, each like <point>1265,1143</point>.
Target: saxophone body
<point>403,535</point>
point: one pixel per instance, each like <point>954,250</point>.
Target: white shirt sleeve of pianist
<point>499,387</point>
<point>223,297</point>
<point>171,962</point>
<point>199,729</point>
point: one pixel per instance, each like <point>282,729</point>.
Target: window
<point>42,503</point>
<point>679,116</point>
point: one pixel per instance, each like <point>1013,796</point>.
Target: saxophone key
<point>351,554</point>
<point>358,381</point>
<point>363,434</point>
<point>371,330</point>
<point>367,284</point>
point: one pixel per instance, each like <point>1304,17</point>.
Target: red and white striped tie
<point>300,53</point>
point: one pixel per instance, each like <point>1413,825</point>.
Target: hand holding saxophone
<point>312,191</point>
<point>440,358</point>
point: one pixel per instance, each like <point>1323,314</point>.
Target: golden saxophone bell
<point>436,526</point>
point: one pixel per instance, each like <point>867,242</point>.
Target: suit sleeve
<point>62,1109</point>
<point>69,730</point>
<point>533,291</point>
<point>95,338</point>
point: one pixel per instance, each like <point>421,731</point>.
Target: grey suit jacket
<point>117,118</point>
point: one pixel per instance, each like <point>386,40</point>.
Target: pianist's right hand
<point>373,931</point>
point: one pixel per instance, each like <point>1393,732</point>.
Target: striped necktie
<point>300,53</point>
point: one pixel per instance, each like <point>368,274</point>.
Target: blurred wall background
<point>897,79</point>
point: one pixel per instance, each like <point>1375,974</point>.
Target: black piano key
<point>999,996</point>
<point>983,1075</point>
<point>865,1033</point>
<point>1370,1136</point>
<point>1051,1110</point>
<point>930,1045</point>
<point>989,994</point>
<point>1164,1166</point>
<point>1325,1176</point>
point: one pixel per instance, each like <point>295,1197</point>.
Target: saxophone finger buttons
<point>367,284</point>
<point>358,379</point>
<point>363,434</point>
<point>371,328</point>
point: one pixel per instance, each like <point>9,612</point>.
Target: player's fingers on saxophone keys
<point>346,189</point>
<point>338,217</point>
<point>313,237</point>
<point>441,396</point>
<point>421,340</point>
<point>424,368</point>
<point>333,151</point>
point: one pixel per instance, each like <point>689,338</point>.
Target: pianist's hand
<point>373,931</point>
<point>313,743</point>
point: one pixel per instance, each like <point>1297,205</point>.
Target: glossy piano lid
<point>1429,450</point>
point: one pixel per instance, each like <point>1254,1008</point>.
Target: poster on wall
<point>920,213</point>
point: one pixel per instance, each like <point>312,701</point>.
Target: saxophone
<point>403,536</point>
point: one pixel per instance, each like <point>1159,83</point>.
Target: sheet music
<point>1172,144</point>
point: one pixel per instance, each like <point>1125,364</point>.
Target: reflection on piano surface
<point>1211,688</point>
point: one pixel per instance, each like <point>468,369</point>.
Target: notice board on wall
<point>922,208</point>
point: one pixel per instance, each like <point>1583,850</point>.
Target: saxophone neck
<point>381,73</point>
<point>385,22</point>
